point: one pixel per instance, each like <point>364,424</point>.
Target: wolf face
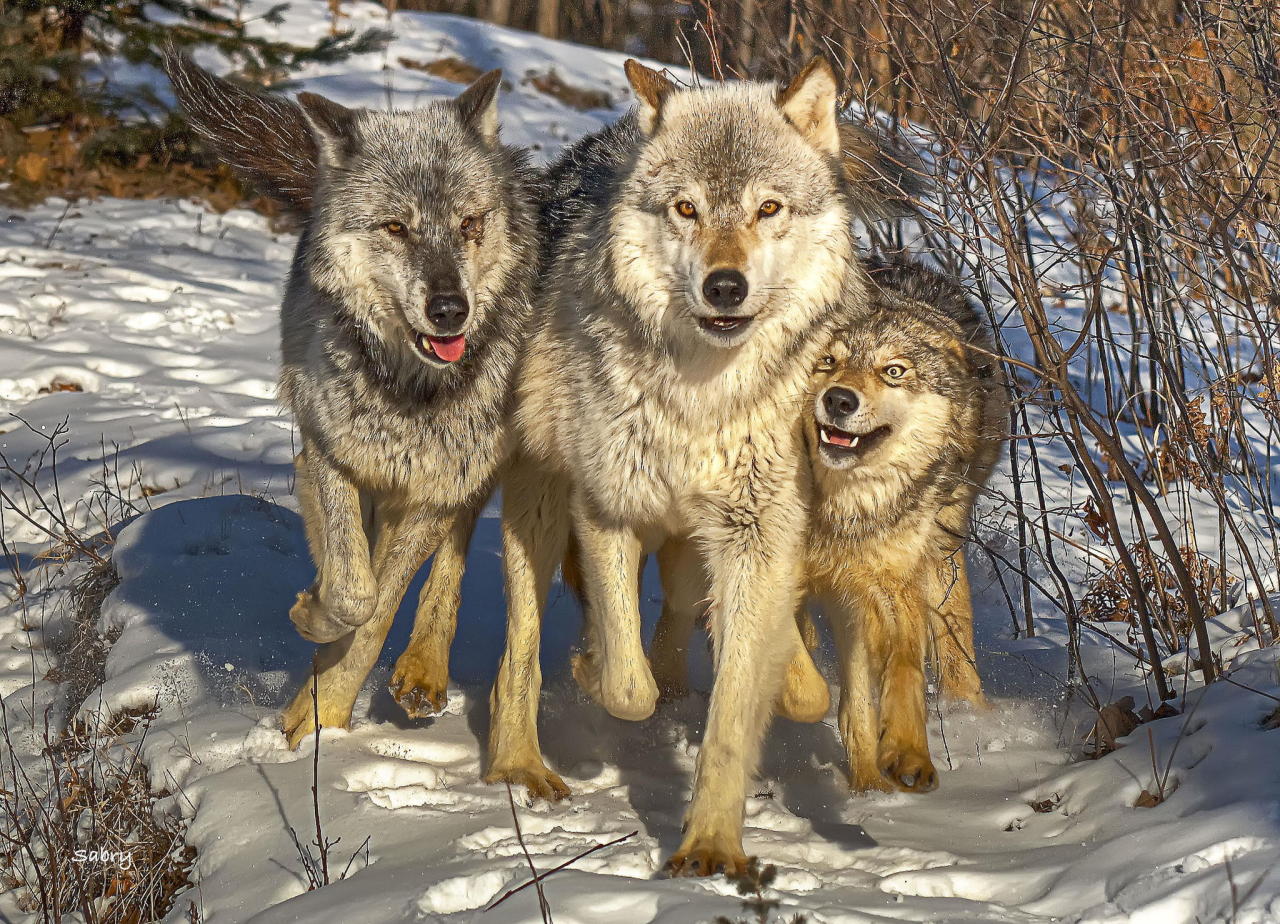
<point>889,397</point>
<point>733,223</point>
<point>410,221</point>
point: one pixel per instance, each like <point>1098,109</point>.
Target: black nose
<point>840,402</point>
<point>725,288</point>
<point>447,313</point>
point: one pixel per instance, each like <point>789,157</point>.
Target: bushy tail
<point>265,139</point>
<point>884,177</point>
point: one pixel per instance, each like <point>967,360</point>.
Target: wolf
<point>407,302</point>
<point>906,425</point>
<point>903,427</point>
<point>701,252</point>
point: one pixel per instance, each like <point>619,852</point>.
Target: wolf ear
<point>809,103</point>
<point>263,138</point>
<point>651,90</point>
<point>478,105</point>
<point>334,126</point>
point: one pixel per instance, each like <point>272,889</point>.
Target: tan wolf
<point>702,256</point>
<point>904,426</point>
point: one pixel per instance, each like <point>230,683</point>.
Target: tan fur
<point>885,553</point>
<point>637,426</point>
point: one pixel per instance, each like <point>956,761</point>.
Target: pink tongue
<point>839,439</point>
<point>448,348</point>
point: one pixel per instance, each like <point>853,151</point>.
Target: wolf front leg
<point>895,621</point>
<point>805,695</point>
<point>535,530</point>
<point>752,564</point>
<point>859,711</point>
<point>420,682</point>
<point>343,595</point>
<point>614,670</point>
<point>403,536</point>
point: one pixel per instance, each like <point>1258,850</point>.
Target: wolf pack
<point>665,343</point>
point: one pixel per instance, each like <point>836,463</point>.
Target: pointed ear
<point>478,105</point>
<point>334,126</point>
<point>809,103</point>
<point>651,89</point>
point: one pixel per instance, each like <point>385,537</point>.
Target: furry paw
<point>805,695</point>
<point>866,779</point>
<point>630,694</point>
<point>707,859</point>
<point>421,689</point>
<point>908,768</point>
<point>536,778</point>
<point>298,720</point>
<point>319,622</point>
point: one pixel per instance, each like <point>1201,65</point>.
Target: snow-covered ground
<point>150,328</point>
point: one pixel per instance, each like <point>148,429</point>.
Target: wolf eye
<point>895,371</point>
<point>686,209</point>
<point>769,208</point>
<point>827,363</point>
<point>471,226</point>
<point>395,228</point>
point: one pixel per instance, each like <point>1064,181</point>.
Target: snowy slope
<point>162,316</point>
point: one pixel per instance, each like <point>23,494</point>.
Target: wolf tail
<point>265,139</point>
<point>883,176</point>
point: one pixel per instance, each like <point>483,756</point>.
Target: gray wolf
<point>700,256</point>
<point>407,302</point>
<point>903,427</point>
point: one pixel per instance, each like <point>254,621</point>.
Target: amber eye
<point>686,209</point>
<point>395,228</point>
<point>827,363</point>
<point>895,371</point>
<point>471,226</point>
<point>769,208</point>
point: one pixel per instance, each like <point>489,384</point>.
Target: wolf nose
<point>840,402</point>
<point>725,288</point>
<point>447,312</point>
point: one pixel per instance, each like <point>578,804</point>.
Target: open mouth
<point>440,349</point>
<point>726,324</point>
<point>842,444</point>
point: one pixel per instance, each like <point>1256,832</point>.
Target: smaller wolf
<point>906,425</point>
<point>403,316</point>
<point>903,427</point>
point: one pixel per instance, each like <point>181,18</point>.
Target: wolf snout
<point>447,313</point>
<point>725,288</point>
<point>839,402</point>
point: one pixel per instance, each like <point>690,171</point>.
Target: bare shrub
<point>1107,178</point>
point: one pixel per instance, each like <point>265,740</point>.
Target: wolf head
<point>734,221</point>
<point>416,222</point>
<point>412,219</point>
<point>899,393</point>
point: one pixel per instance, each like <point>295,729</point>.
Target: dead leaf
<point>1147,799</point>
<point>31,167</point>
<point>1114,721</point>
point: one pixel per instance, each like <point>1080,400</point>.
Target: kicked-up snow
<point>150,328</point>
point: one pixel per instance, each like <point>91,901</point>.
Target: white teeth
<point>854,442</point>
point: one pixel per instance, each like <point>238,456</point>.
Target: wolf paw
<point>536,778</point>
<point>908,768</point>
<point>707,859</point>
<point>298,720</point>
<point>805,695</point>
<point>421,690</point>
<point>868,779</point>
<point>319,622</point>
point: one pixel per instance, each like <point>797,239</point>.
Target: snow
<point>163,316</point>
